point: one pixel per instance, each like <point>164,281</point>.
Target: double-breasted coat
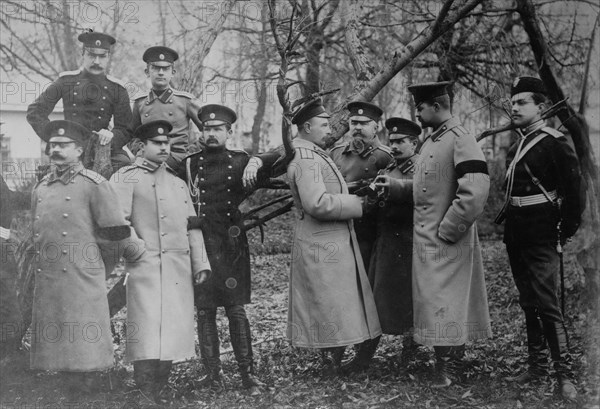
<point>357,159</point>
<point>90,100</point>
<point>390,270</point>
<point>160,294</point>
<point>177,107</point>
<point>70,321</point>
<point>450,189</point>
<point>330,298</point>
<point>214,178</point>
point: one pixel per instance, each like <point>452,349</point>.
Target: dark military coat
<point>357,160</point>
<point>390,270</point>
<point>175,106</point>
<point>89,100</point>
<point>215,182</point>
<point>555,164</point>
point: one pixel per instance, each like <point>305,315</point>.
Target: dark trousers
<point>239,331</point>
<point>535,269</point>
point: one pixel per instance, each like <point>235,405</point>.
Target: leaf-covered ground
<point>292,375</point>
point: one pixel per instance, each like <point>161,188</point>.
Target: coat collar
<point>148,164</point>
<point>443,128</point>
<point>303,143</point>
<point>164,98</point>
<point>65,176</point>
<point>404,165</point>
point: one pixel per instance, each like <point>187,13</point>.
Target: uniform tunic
<point>160,295</point>
<point>390,270</point>
<point>450,189</point>
<point>90,100</point>
<point>330,299</point>
<point>358,160</point>
<point>215,181</point>
<point>71,326</point>
<point>177,107</point>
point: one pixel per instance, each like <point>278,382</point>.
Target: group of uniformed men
<point>400,256</point>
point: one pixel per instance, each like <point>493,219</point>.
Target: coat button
<point>229,190</point>
<point>154,185</point>
<point>230,167</point>
<point>163,234</point>
<point>68,198</point>
<point>422,225</point>
<point>203,215</point>
<point>39,200</point>
<point>201,158</point>
<point>64,270</point>
<point>37,217</point>
<point>101,109</point>
<point>170,113</point>
<point>228,177</point>
<point>39,270</point>
<point>64,233</point>
<point>64,251</point>
<point>203,203</point>
<point>164,251</point>
<point>201,168</point>
<point>103,97</point>
<point>74,93</point>
<point>229,202</point>
<point>426,172</point>
<point>162,216</point>
<point>228,214</point>
<point>431,156</point>
<point>146,115</point>
<point>424,189</point>
<point>65,215</point>
<point>37,235</point>
<point>202,179</point>
<point>203,191</point>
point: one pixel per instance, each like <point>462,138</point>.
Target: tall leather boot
<point>241,341</point>
<point>210,355</point>
<point>362,358</point>
<point>563,362</point>
<point>447,365</point>
<point>332,360</point>
<point>144,375</point>
<point>537,360</point>
<point>162,391</point>
<point>409,349</point>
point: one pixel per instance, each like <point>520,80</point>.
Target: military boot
<point>409,350</point>
<point>209,351</point>
<point>537,360</point>
<point>163,393</point>
<point>563,362</point>
<point>362,358</point>
<point>447,365</point>
<point>144,375</point>
<point>241,341</point>
<point>332,360</point>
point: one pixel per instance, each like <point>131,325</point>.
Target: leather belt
<point>520,201</point>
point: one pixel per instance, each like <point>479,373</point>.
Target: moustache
<point>57,156</point>
<point>211,140</point>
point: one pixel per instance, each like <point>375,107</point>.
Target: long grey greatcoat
<point>71,325</point>
<point>160,294</point>
<point>330,299</point>
<point>450,189</point>
<point>390,270</point>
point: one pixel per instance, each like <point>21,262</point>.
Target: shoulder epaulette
<point>66,73</point>
<point>115,80</point>
<point>193,154</point>
<point>553,132</point>
<point>460,130</point>
<point>385,149</point>
<point>90,174</point>
<point>140,96</point>
<point>127,168</point>
<point>305,153</point>
<point>239,151</point>
<point>183,94</point>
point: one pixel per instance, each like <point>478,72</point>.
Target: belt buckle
<point>516,201</point>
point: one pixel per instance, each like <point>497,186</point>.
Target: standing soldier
<point>160,296</point>
<point>216,178</point>
<point>361,158</point>
<point>331,304</point>
<point>390,272</point>
<point>450,188</point>
<point>75,210</point>
<point>90,97</point>
<point>543,211</point>
<point>164,102</point>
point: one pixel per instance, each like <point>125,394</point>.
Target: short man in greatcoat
<point>331,303</point>
<point>218,182</point>
<point>75,212</point>
<point>90,97</point>
<point>361,158</point>
<point>450,189</point>
<point>160,294</point>
<point>543,210</point>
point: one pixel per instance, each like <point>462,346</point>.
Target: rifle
<point>548,113</point>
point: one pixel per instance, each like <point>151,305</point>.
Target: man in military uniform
<point>543,211</point>
<point>90,98</point>
<point>215,178</point>
<point>450,189</point>
<point>331,303</point>
<point>164,102</point>
<point>75,211</point>
<point>360,158</point>
<point>390,270</point>
<point>160,295</point>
